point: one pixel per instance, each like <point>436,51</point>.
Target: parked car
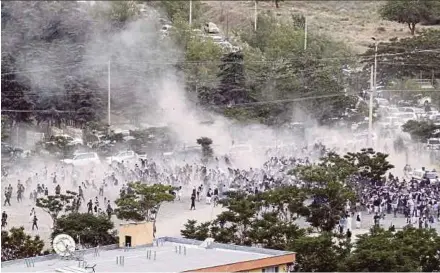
<point>83,159</point>
<point>210,27</point>
<point>406,116</point>
<point>433,144</point>
<point>124,156</point>
<point>423,174</point>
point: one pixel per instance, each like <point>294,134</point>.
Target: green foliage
<point>410,12</point>
<point>5,128</point>
<point>328,205</point>
<point>332,175</point>
<point>193,231</point>
<point>418,59</point>
<point>420,130</point>
<point>201,62</point>
<point>232,88</point>
<point>407,250</point>
<point>267,219</point>
<point>92,230</point>
<point>178,10</point>
<point>54,205</point>
<point>16,244</point>
<point>144,203</point>
<point>317,254</point>
<point>207,151</point>
<point>117,12</point>
<point>370,164</point>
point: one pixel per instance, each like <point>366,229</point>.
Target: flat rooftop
<point>192,256</point>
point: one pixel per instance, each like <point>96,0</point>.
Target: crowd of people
<point>417,201</point>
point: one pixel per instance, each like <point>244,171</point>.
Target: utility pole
<point>373,85</point>
<point>190,12</point>
<point>108,95</point>
<point>370,111</point>
<point>305,33</point>
<point>255,16</point>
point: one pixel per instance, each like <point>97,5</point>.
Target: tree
<point>408,58</point>
<point>370,164</point>
<point>87,229</point>
<point>410,12</point>
<point>207,151</point>
<point>5,128</point>
<point>385,251</point>
<point>14,91</point>
<point>232,88</point>
<point>177,10</point>
<point>119,13</point>
<point>266,219</point>
<point>16,244</point>
<point>197,232</point>
<point>318,254</point>
<point>54,205</point>
<point>143,203</point>
<point>420,131</point>
<point>332,192</point>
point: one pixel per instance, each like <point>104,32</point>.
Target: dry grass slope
<point>353,22</point>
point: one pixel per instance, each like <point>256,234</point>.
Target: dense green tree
<point>16,244</point>
<point>370,164</point>
<point>318,253</point>
<point>420,130</point>
<point>143,203</point>
<point>177,10</point>
<point>410,12</point>
<point>207,151</point>
<point>119,13</point>
<point>384,251</point>
<point>400,59</point>
<point>14,91</point>
<point>232,88</point>
<point>5,128</point>
<point>193,231</point>
<point>266,219</point>
<point>87,229</point>
<point>54,205</point>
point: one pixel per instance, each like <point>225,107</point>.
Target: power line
<point>37,111</point>
<point>220,62</point>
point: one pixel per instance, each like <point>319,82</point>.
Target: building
<point>163,255</point>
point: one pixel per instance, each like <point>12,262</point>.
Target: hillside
<point>353,22</point>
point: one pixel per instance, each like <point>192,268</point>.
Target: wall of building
<point>254,265</point>
<point>281,268</point>
<point>141,233</point>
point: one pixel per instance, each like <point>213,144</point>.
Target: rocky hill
<point>353,22</point>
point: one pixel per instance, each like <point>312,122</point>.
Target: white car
<point>83,159</point>
<point>433,144</point>
<point>240,149</point>
<point>406,116</point>
<point>124,156</point>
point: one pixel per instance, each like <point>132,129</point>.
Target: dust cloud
<point>145,81</point>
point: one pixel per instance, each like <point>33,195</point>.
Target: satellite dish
<point>64,245</point>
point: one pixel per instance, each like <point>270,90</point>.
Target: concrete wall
<point>141,233</point>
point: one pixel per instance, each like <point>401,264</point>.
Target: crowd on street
<point>98,187</point>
